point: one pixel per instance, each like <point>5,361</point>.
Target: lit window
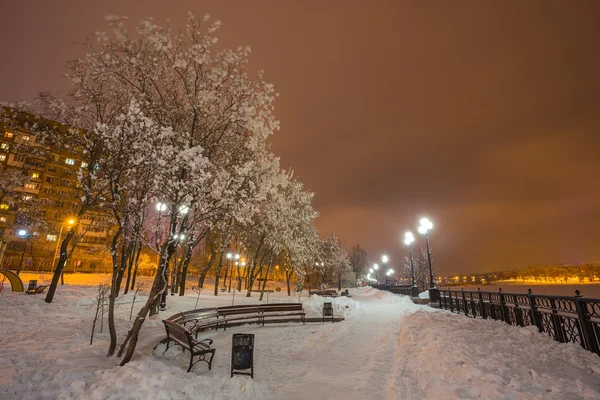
<point>25,137</point>
<point>3,206</point>
<point>35,175</point>
<point>8,134</point>
<point>51,238</point>
<point>27,198</point>
<point>4,146</point>
<point>69,161</point>
<point>2,157</point>
<point>84,164</point>
<point>30,186</point>
<point>2,219</point>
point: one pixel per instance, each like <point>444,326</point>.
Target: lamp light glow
<point>408,238</point>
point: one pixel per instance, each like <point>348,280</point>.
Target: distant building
<point>51,187</point>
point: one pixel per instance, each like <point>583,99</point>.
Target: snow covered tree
<point>333,260</point>
<point>216,120</point>
<point>421,265</point>
<point>358,260</point>
<point>12,181</point>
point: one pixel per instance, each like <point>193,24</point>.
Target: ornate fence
<point>565,319</point>
<point>406,290</point>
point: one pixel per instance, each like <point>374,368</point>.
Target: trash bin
<point>327,311</point>
<point>242,354</point>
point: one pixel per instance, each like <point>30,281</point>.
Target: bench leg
<point>212,355</point>
<point>174,344</point>
<point>191,362</point>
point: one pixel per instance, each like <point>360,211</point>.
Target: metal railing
<point>566,319</point>
<point>406,290</point>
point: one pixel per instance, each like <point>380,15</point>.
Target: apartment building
<point>35,217</point>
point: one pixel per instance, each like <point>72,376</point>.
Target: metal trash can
<point>327,311</point>
<point>242,354</point>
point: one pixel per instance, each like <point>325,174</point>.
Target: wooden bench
<point>197,320</point>
<point>183,338</point>
<point>239,313</point>
<point>31,288</point>
<point>325,293</point>
<point>40,289</point>
<point>276,311</point>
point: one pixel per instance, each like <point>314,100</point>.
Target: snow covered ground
<point>386,348</point>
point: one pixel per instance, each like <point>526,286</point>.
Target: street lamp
<point>384,260</point>
<point>424,228</point>
<point>23,234</point>
<point>408,240</point>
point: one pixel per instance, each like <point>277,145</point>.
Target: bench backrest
<point>176,318</point>
<point>202,314</point>
<point>281,307</point>
<point>233,310</point>
<point>177,333</point>
<point>40,289</point>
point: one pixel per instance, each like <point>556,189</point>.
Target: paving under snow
<point>386,348</point>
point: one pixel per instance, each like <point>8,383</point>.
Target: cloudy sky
<point>486,118</point>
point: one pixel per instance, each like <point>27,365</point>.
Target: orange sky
<point>486,118</point>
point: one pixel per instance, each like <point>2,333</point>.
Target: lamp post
<point>229,256</point>
<point>384,260</point>
<point>408,240</point>
<point>160,208</point>
<point>24,235</point>
<point>376,268</point>
<point>243,264</point>
<point>424,228</point>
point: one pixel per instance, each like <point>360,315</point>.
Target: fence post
<point>445,306</point>
<point>503,311</point>
<point>587,329</point>
<point>464,300</point>
<point>535,320</point>
<point>518,312</point>
<point>481,307</point>
<point>557,323</point>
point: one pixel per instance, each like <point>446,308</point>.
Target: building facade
<point>35,216</point>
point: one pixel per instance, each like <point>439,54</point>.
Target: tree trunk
<point>262,291</point>
<point>135,269</point>
<point>307,279</point>
<point>130,261</point>
<point>114,292</point>
<point>186,263</point>
<point>126,250</point>
<point>60,266</point>
<point>217,274</point>
<point>158,287</point>
<point>251,275</point>
<point>288,277</point>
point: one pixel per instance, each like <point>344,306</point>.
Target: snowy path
<point>360,360</point>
